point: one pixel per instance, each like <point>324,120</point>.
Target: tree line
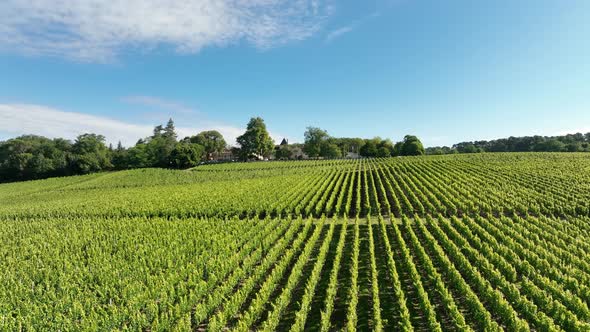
<point>567,143</point>
<point>31,157</point>
<point>319,144</point>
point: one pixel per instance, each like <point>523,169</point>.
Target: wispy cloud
<point>333,34</point>
<point>338,32</point>
<point>97,30</point>
<point>21,119</point>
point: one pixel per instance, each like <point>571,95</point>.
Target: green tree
<point>158,131</point>
<point>90,154</point>
<point>119,157</point>
<point>574,147</point>
<point>412,146</point>
<point>186,155</point>
<point>330,150</point>
<point>160,145</point>
<point>283,152</point>
<point>397,149</point>
<point>255,141</point>
<point>314,138</point>
<point>385,148</point>
<point>170,131</point>
<point>550,145</point>
<point>383,152</point>
<point>211,140</point>
<point>370,149</point>
<point>34,157</point>
<point>138,157</point>
<point>435,151</point>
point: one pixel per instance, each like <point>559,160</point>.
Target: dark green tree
<point>383,152</point>
<point>330,150</point>
<point>211,140</point>
<point>186,155</point>
<point>255,142</point>
<point>90,154</point>
<point>434,151</point>
<point>370,149</point>
<point>160,145</point>
<point>170,131</point>
<point>34,157</point>
<point>397,148</point>
<point>283,152</point>
<point>158,131</point>
<point>138,156</point>
<point>550,145</point>
<point>119,157</point>
<point>314,139</point>
<point>412,146</point>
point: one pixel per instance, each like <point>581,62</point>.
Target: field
<point>485,242</point>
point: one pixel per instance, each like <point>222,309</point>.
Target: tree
<point>574,147</point>
<point>186,155</point>
<point>170,131</point>
<point>255,141</point>
<point>138,157</point>
<point>90,154</point>
<point>550,145</point>
<point>211,140</point>
<point>370,149</point>
<point>435,151</point>
<point>397,149</point>
<point>283,152</point>
<point>384,147</point>
<point>34,157</point>
<point>330,150</point>
<point>119,157</point>
<point>383,152</point>
<point>160,145</point>
<point>412,146</point>
<point>314,138</point>
<point>158,130</point>
<point>468,148</point>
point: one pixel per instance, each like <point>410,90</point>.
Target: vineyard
<point>485,242</point>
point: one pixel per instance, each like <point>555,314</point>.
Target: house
<point>225,155</point>
<point>352,155</point>
<point>296,150</point>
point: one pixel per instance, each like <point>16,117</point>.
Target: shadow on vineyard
<point>364,309</point>
<point>341,300</point>
<point>314,321</point>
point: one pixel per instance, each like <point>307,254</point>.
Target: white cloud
<point>21,119</point>
<point>96,30</point>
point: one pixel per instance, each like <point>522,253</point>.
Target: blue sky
<point>447,71</point>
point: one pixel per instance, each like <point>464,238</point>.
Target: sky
<point>446,71</point>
